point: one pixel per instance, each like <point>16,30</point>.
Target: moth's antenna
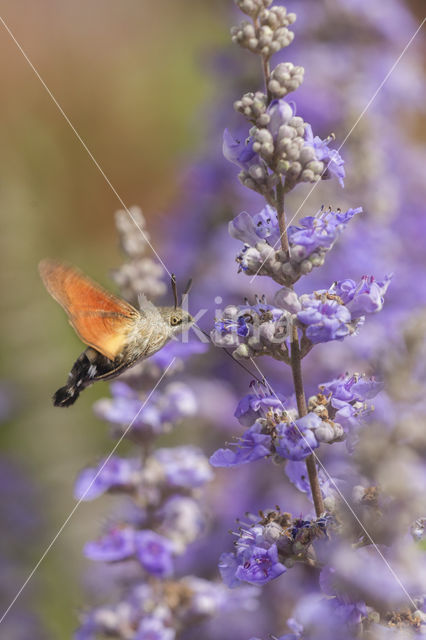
<point>186,291</point>
<point>174,289</point>
<point>228,353</point>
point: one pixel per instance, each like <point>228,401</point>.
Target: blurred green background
<point>129,75</point>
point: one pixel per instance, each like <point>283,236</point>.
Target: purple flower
<point>154,552</point>
<point>256,405</point>
<point>325,319</point>
<point>153,628</point>
<point>174,403</point>
<point>296,440</point>
<point>237,152</point>
<point>280,113</point>
<point>118,544</point>
<point>185,466</point>
<point>352,388</point>
<point>230,325</point>
<point>258,565</point>
<point>117,473</point>
<point>251,230</point>
<point>319,232</point>
<point>253,445</point>
<point>228,565</point>
<point>330,157</point>
<point>365,297</point>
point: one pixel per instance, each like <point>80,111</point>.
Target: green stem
<point>296,368</point>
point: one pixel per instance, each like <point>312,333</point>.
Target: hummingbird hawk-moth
<point>117,334</point>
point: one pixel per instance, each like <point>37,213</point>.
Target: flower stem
<point>296,368</point>
<point>266,74</point>
<point>281,217</point>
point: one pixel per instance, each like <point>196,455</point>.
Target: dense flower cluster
<point>335,413</point>
<point>321,316</point>
<point>309,241</point>
<point>161,611</point>
<point>266,548</point>
<point>253,330</point>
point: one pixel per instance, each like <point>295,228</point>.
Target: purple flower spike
<point>259,565</point>
<point>295,441</point>
<point>117,473</point>
<point>118,544</point>
<point>155,553</point>
<point>252,446</point>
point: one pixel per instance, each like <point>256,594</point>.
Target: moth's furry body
<point>118,335</point>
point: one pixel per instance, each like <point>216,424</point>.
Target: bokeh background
<point>140,82</point>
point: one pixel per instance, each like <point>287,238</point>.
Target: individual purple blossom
<point>252,446</point>
<point>259,566</point>
<point>318,232</point>
<point>325,319</point>
<point>366,296</point>
<point>236,326</point>
<point>118,544</point>
<point>296,440</point>
<point>252,229</point>
<point>257,405</point>
<point>114,473</point>
<point>238,152</point>
<point>184,466</point>
<point>350,388</point>
<point>154,552</point>
<point>330,157</point>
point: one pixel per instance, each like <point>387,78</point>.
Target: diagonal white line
<point>80,139</point>
<point>66,521</point>
<point>363,112</point>
<point>318,461</point>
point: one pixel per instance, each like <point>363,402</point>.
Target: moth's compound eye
<point>175,320</point>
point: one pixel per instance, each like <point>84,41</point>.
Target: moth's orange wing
<point>101,319</point>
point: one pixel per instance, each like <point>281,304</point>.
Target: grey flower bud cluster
<point>268,36</point>
<point>286,77</point>
<point>252,7</point>
<point>140,273</point>
<point>258,178</point>
<point>264,260</point>
<point>253,106</point>
<point>253,331</point>
<point>284,149</point>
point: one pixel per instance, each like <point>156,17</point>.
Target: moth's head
<point>176,318</point>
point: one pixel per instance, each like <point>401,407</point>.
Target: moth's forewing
<point>101,319</point>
